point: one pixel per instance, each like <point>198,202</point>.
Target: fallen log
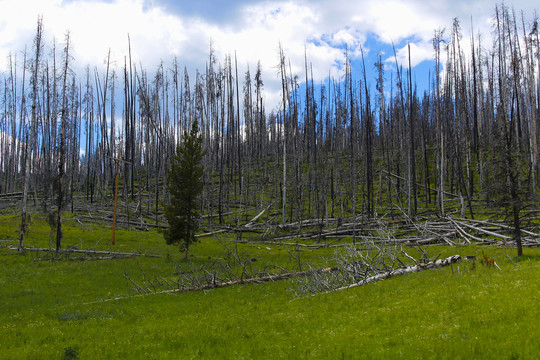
<point>96,252</point>
<point>213,233</point>
<point>530,242</point>
<point>465,234</point>
<point>500,236</point>
<point>401,271</point>
<point>502,226</point>
<point>104,222</point>
<point>255,280</point>
<point>418,184</point>
<point>252,221</point>
<point>83,258</point>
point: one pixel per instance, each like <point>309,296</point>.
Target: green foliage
<point>458,312</point>
<point>185,186</point>
<point>71,352</point>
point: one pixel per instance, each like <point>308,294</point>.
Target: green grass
<point>51,308</point>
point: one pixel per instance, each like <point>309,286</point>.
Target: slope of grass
<point>53,309</point>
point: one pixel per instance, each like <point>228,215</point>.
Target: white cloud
<point>396,20</point>
<point>94,28</point>
<point>344,36</point>
<point>320,27</point>
<point>419,52</point>
<point>267,26</point>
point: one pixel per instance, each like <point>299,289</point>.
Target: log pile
<point>448,230</point>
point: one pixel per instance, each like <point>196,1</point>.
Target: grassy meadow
<point>55,307</point>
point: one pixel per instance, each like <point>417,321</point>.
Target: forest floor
<point>106,305</point>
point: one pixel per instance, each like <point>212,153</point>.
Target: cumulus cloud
<point>419,52</point>
<point>161,29</point>
<point>95,27</point>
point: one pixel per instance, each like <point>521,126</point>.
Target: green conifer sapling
<point>185,187</point>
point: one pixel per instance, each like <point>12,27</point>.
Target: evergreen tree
<point>185,186</point>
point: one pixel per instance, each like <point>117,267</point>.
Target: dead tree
<point>62,141</point>
<point>33,124</point>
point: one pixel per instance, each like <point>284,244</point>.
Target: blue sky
<point>163,29</point>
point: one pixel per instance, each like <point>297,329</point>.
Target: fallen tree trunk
<point>401,271</point>
<point>252,221</point>
<point>418,184</point>
<point>254,280</point>
<point>502,226</point>
<point>494,234</point>
<point>85,258</point>
<point>111,253</point>
<point>213,233</point>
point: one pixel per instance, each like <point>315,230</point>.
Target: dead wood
<point>252,221</point>
<point>401,271</point>
<point>488,232</point>
<point>84,258</point>
<point>503,226</point>
<point>110,253</point>
<point>213,233</point>
<point>465,235</point>
<point>217,285</point>
<point>104,221</point>
<point>418,184</point>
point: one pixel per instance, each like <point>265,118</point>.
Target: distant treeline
<point>332,149</point>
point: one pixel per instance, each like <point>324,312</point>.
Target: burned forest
<point>246,208</point>
<point>456,162</point>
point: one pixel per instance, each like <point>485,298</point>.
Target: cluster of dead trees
<point>333,149</point>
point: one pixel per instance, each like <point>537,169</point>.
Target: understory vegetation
<point>301,208</point>
<point>96,306</point>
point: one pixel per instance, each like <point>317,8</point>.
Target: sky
<point>160,30</point>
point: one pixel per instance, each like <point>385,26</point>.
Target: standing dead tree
<point>303,157</point>
<point>33,130</point>
<point>62,142</point>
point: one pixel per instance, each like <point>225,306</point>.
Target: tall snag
<point>62,144</point>
<point>30,145</point>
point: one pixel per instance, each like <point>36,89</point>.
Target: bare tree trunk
<point>284,130</point>
<point>411,133</point>
<point>62,146</point>
<point>31,140</point>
